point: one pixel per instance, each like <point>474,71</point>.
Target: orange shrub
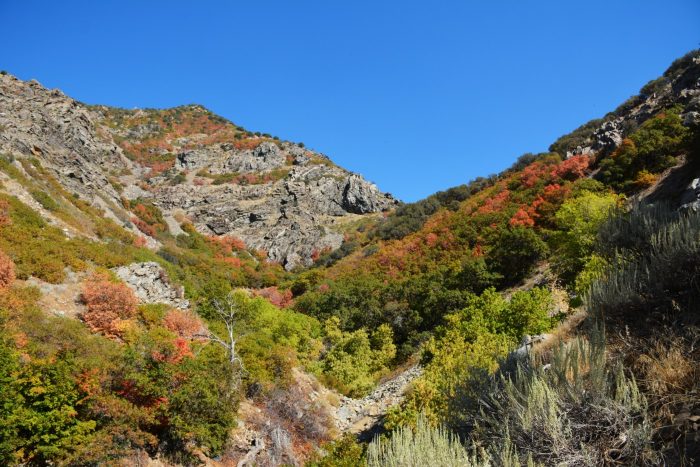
<point>572,168</point>
<point>183,323</point>
<point>249,143</point>
<point>233,261</point>
<point>645,179</point>
<point>108,305</point>
<point>7,270</point>
<point>227,243</point>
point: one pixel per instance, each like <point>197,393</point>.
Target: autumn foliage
<point>108,304</point>
<point>7,270</point>
<point>172,352</point>
<point>226,244</point>
<point>280,299</point>
<point>183,323</point>
<point>4,212</point>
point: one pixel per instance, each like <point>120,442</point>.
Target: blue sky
<point>416,96</point>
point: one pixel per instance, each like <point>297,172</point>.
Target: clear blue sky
<point>416,96</point>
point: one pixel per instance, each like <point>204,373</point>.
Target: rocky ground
<point>361,415</point>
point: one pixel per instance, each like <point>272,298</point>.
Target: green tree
<point>515,253</point>
<point>578,220</point>
<point>41,403</point>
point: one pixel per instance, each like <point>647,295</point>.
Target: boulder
<point>151,284</point>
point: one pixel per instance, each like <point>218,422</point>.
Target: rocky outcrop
<point>359,415</point>
<point>609,136</point>
<point>61,132</point>
<point>289,202</point>
<point>151,284</point>
<point>291,218</point>
<point>224,158</point>
<point>680,85</point>
<point>690,198</point>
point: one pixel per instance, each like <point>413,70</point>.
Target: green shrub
<point>579,220</point>
<point>653,148</point>
<point>343,452</point>
<point>573,412</point>
<point>421,446</point>
<point>45,200</point>
<point>653,253</point>
<point>356,358</point>
<point>515,253</point>
<point>469,346</point>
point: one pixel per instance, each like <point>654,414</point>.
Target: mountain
<point>276,196</point>
<point>177,290</point>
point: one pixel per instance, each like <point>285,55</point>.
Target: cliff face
<point>276,196</point>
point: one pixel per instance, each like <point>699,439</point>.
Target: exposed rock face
<point>690,199</point>
<point>609,136</point>
<point>224,158</point>
<point>279,197</point>
<point>680,86</point>
<point>150,283</point>
<point>61,132</point>
<point>290,218</point>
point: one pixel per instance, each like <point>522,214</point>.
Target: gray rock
<point>361,197</point>
<point>61,133</point>
<point>357,415</point>
<point>292,216</point>
<point>609,136</point>
<point>151,284</point>
<point>690,199</point>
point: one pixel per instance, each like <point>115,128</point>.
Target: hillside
<point>278,197</point>
<point>178,290</point>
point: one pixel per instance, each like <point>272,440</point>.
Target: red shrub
<point>183,323</point>
<point>7,270</point>
<point>280,299</point>
<point>522,218</point>
<point>532,174</point>
<point>143,227</point>
<point>315,255</point>
<point>495,203</point>
<point>173,353</point>
<point>108,305</point>
<point>572,168</point>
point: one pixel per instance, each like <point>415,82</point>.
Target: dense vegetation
<point>551,245</point>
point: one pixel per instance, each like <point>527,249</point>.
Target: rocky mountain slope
<point>678,86</point>
<point>127,330</point>
<point>276,196</point>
